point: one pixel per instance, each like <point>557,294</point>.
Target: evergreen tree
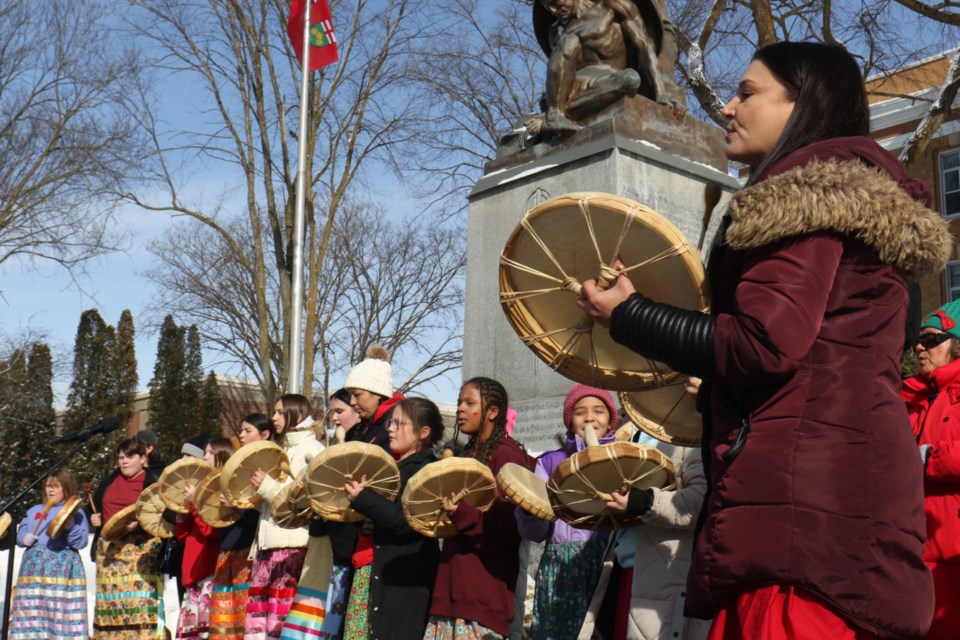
<point>93,395</point>
<point>209,413</point>
<point>193,380</point>
<point>126,361</point>
<point>170,411</point>
<point>16,427</point>
<point>39,397</point>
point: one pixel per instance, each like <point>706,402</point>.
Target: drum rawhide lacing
<point>596,493</point>
<point>581,486</point>
<point>467,479</point>
<point>547,248</point>
<point>384,480</point>
<point>666,412</point>
<point>323,483</point>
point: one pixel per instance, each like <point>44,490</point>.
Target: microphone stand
<point>12,532</point>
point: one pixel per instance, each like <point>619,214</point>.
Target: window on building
<point>950,182</point>
<point>953,281</point>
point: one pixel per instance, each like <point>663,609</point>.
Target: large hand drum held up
<point>580,486</point>
<point>471,482</point>
<point>527,490</point>
<point>338,464</point>
<point>173,480</point>
<point>236,471</point>
<point>150,506</point>
<point>67,511</point>
<point>208,505</point>
<point>576,237</point>
<point>116,527</point>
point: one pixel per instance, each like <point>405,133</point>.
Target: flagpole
<point>296,296</point>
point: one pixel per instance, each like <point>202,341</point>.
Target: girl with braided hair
<point>474,592</point>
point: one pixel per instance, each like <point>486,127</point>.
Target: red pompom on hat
<point>580,391</point>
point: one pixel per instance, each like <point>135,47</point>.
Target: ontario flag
<point>323,42</point>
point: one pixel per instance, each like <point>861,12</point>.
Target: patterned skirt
<point>358,624</point>
<point>309,610</point>
<point>228,602</point>
<point>50,600</point>
<point>273,583</point>
<point>195,611</point>
<point>566,579</point>
<point>128,594</point>
<point>457,629</point>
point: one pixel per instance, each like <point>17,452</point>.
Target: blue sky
<point>44,300</point>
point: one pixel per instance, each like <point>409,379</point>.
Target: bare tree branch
<point>66,140</point>
<point>947,11</point>
<point>917,143</point>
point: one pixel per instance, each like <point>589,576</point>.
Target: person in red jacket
<point>813,524</point>
<point>201,546</point>
<point>933,403</point>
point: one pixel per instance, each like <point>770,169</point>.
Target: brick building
<point>898,101</point>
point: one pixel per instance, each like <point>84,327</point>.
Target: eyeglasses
<point>396,424</point>
<point>931,340</point>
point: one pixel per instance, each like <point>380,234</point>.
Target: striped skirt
<point>50,600</point>
<point>231,587</point>
<point>274,579</point>
<point>308,614</point>
<point>128,594</point>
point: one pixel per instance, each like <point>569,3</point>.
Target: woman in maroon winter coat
<point>933,402</point>
<point>813,526</point>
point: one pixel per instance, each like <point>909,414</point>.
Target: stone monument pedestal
<point>643,153</point>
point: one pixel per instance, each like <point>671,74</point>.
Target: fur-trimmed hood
<point>846,197</point>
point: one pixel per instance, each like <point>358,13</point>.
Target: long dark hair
<point>342,395</point>
<point>423,413</point>
<point>826,86</point>
<point>492,394</point>
<point>261,422</point>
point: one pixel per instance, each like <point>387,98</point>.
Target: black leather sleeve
<point>681,339</point>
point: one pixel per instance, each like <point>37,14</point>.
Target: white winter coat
<point>301,445</point>
<point>662,561</point>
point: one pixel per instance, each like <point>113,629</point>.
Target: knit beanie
<point>580,391</point>
<point>373,374</point>
<point>146,436</point>
<point>946,318</point>
<point>194,447</point>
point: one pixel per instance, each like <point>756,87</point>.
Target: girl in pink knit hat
<point>572,558</point>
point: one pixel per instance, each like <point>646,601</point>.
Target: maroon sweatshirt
<point>479,567</point>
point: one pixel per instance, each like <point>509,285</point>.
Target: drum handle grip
<point>284,471</point>
<point>455,500</point>
<point>93,507</point>
<point>608,275</point>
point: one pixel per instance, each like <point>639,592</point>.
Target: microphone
<point>104,425</point>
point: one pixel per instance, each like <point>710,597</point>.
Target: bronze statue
<point>600,51</point>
